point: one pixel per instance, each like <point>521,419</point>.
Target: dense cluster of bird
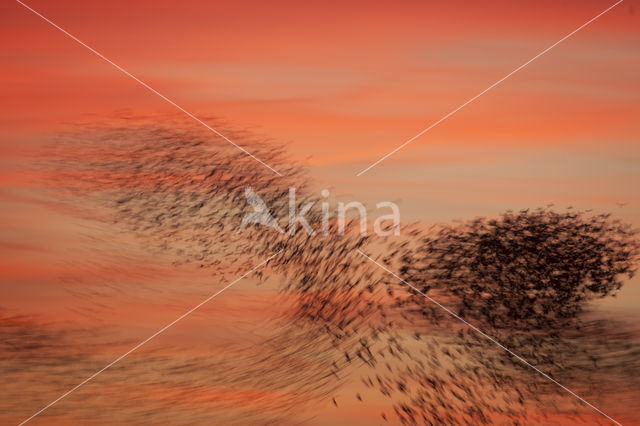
<point>523,277</point>
<point>526,269</point>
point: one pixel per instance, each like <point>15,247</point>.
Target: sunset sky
<point>341,84</point>
<point>344,84</point>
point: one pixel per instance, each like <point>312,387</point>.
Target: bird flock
<point>525,278</point>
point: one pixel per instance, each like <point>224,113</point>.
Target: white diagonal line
<point>127,73</point>
<point>488,88</point>
<point>482,333</point>
<point>148,339</point>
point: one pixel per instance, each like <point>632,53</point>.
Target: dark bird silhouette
<point>523,277</point>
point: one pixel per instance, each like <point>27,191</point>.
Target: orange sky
<point>342,83</point>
